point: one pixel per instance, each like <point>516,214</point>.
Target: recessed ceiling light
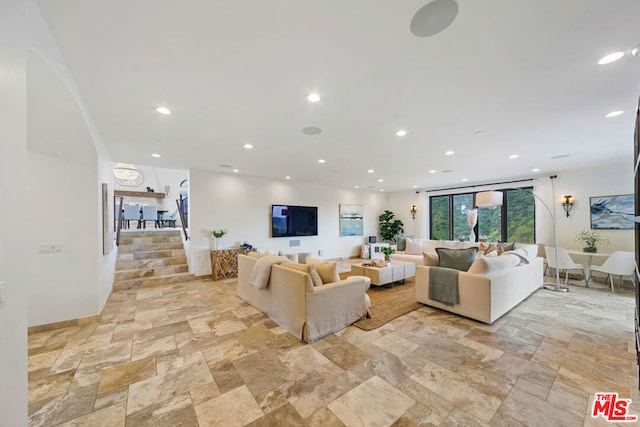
<point>608,59</point>
<point>236,170</point>
<point>248,146</point>
<point>321,161</point>
<point>415,186</point>
<point>614,113</point>
<point>465,179</point>
<point>432,171</point>
<point>314,97</point>
<point>311,130</point>
<point>163,110</point>
<point>225,166</point>
<point>447,170</point>
<point>287,177</point>
<point>401,132</point>
<point>559,156</point>
<point>433,18</point>
<point>155,155</point>
<point>370,171</point>
<point>449,153</point>
<point>535,170</point>
<point>381,180</point>
<point>514,156</point>
<point>356,186</point>
<point>381,189</point>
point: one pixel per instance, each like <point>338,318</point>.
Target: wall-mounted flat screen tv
<point>290,221</point>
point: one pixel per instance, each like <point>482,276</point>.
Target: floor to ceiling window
<point>514,221</point>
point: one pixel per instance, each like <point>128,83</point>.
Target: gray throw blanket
<point>443,285</point>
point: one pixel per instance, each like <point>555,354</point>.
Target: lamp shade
<point>485,199</point>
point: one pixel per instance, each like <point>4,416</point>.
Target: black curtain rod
<point>479,185</point>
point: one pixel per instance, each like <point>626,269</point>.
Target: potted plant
<point>387,250</point>
<point>389,227</point>
<point>590,240</point>
<point>216,237</point>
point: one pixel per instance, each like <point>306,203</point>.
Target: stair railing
<point>119,221</point>
<point>182,220</point>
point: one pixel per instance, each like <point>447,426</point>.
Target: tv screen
<point>289,221</point>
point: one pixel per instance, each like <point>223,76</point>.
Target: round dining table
<point>587,257</point>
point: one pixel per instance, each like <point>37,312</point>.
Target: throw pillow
<point>531,250</point>
<point>506,246</point>
<point>485,248</point>
<point>430,260</point>
<point>459,259</point>
<point>327,270</point>
<point>492,265</point>
<point>305,268</point>
<point>402,242</point>
<point>255,255</point>
<point>413,247</point>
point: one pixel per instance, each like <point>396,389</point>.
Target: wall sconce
<point>567,204</point>
<point>413,210</point>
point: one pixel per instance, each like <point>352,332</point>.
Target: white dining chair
<point>149,213</point>
<point>130,213</point>
<point>564,262</point>
<point>620,263</point>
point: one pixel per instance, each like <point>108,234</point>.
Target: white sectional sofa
<point>415,248</point>
<point>308,312</point>
<point>486,292</point>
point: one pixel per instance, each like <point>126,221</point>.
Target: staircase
<point>150,258</point>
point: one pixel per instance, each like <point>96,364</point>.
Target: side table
<point>224,263</point>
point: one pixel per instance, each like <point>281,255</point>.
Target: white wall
<point>242,205</point>
<point>399,202</point>
<point>610,180</point>
<point>22,28</point>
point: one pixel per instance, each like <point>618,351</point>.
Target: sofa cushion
<point>429,259</point>
<point>328,270</point>
<point>414,247</point>
<point>401,241</point>
<point>506,246</point>
<point>495,264</point>
<point>306,268</point>
<point>459,259</point>
<point>431,245</point>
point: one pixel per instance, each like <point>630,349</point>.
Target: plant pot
<point>590,250</point>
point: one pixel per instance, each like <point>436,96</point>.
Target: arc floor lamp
<point>494,198</point>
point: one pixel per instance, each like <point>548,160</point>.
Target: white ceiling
<point>507,77</point>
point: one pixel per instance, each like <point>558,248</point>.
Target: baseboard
<point>63,324</point>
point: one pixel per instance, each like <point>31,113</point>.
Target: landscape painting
<point>351,220</point>
<point>612,212</point>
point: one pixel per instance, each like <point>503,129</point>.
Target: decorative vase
<point>589,249</point>
<point>216,243</point>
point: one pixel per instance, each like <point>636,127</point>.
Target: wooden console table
<point>224,263</point>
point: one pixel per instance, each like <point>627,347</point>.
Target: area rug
<point>388,303</point>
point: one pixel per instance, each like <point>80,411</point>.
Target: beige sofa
<point>486,297</point>
<point>307,312</point>
<point>414,250</point>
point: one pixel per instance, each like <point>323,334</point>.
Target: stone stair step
<point>156,233</point>
<point>169,253</point>
<point>150,263</point>
<point>153,281</point>
<point>127,249</point>
<point>148,240</point>
<point>150,272</point>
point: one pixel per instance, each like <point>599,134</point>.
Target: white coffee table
<point>395,271</point>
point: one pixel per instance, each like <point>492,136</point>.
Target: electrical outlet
<point>49,248</point>
<point>3,297</point>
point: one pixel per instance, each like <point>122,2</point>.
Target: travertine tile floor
<point>194,354</point>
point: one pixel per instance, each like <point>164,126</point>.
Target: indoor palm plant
<point>590,240</point>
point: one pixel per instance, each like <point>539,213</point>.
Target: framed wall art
<point>351,220</point>
<point>612,212</point>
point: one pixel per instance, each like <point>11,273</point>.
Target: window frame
<point>503,212</point>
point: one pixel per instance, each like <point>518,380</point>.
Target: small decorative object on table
<point>217,235</point>
<point>387,250</point>
<point>590,240</point>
